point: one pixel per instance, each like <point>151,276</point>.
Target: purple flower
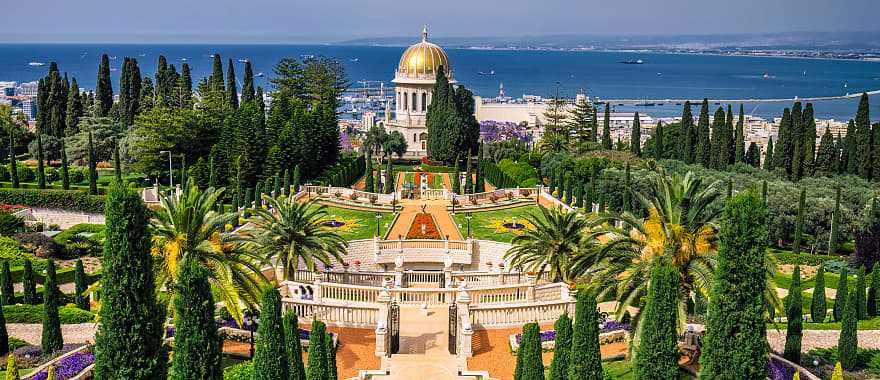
<point>778,370</point>
<point>491,130</point>
<point>550,335</point>
<point>69,366</point>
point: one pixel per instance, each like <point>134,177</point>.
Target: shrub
<point>11,251</point>
<point>62,199</point>
<point>240,371</point>
<point>64,236</point>
<point>835,265</point>
<point>10,224</point>
<point>34,314</point>
<point>40,245</point>
<point>791,258</point>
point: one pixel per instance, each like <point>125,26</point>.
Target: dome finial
<point>424,33</point>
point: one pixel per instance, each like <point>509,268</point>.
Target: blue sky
<point>334,20</point>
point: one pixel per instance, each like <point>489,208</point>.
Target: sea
<point>522,72</point>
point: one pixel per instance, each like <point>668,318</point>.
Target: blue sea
<point>523,72</point>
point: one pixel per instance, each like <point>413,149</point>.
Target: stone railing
<point>338,314</point>
<point>549,197</point>
<point>423,251</point>
<point>478,279</point>
<point>434,194</point>
<point>351,194</point>
<point>506,315</point>
<point>497,194</point>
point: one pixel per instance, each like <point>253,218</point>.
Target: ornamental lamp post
<point>378,218</point>
<point>468,216</point>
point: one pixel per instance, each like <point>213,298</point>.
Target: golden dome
<point>423,59</point>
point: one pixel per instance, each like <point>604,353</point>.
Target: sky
<point>317,21</point>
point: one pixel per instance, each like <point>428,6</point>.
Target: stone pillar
<point>316,287</point>
<point>398,270</point>
<point>384,301</point>
<point>447,270</point>
<point>532,280</point>
<point>465,330</point>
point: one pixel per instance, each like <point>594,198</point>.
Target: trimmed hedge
<point>241,371</point>
<point>61,199</point>
<point>34,314</point>
<point>791,258</point>
<point>64,236</point>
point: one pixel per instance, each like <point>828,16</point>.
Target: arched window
<point>405,106</point>
<point>424,101</point>
<point>414,98</point>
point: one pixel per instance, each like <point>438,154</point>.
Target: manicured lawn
<point>868,324</point>
<point>622,370</point>
<point>487,225</point>
<point>359,224</point>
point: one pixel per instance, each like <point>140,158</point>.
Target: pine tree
<point>799,223</point>
<point>862,140</point>
<point>794,315</point>
<point>861,302</point>
<point>197,346</point>
<point>231,87</point>
<point>29,284</point>
<point>528,356</point>
<point>840,298</point>
<point>270,357</point>
<point>79,280</point>
<point>580,120</point>
<point>317,367</point>
<point>768,156</point>
<point>128,344</point>
<point>818,307</point>
<point>848,342</point>
<point>739,137</point>
<point>735,344</point>
<point>6,285</point>
<point>247,86</point>
<point>657,354</point>
<point>562,348</point>
<point>93,172</point>
<point>606,128</point>
<point>686,147</point>
<point>585,360</point>
<point>873,292</point>
<point>52,340</point>
<point>295,370</point>
<point>636,138</point>
<point>103,88</point>
<point>704,146</point>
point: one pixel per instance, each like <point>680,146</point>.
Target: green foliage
<point>842,291</point>
<point>528,356</point>
<point>296,369</point>
<point>10,224</point>
<point>585,360</point>
<point>270,357</point>
<point>34,314</point>
<point>330,352</point>
<point>4,335</point>
<point>873,301</point>
<point>735,345</point>
<point>818,308</point>
<point>82,301</point>
<point>11,368</point>
<point>562,348</point>
<point>128,344</point>
<point>66,200</point>
<point>197,346</point>
<point>521,172</point>
<point>861,304</point>
<point>317,367</point>
<point>241,371</point>
<point>657,354</point>
<point>848,343</point>
<point>52,340</point>
<point>7,292</point>
<point>791,258</point>
<point>794,312</point>
<point>29,284</point>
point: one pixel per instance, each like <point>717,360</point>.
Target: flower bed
<point>32,356</point>
<point>610,332</point>
<point>430,230</point>
<point>68,367</point>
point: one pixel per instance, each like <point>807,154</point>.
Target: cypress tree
<point>331,358</point>
<point>52,340</point>
<point>840,297</point>
<point>296,179</point>
<point>635,140</point>
<point>197,346</point>
<point>528,356</point>
<point>818,307</point>
<point>799,224</point>
<point>835,223</point>
<point>797,142</point>
<point>389,177</point>
<point>585,360</point>
<point>735,344</point>
<point>79,279</point>
<point>270,357</point>
<point>768,156</point>
<point>231,87</point>
<point>739,137</point>
<point>93,172</point>
<point>849,161</point>
<point>794,314</point>
<point>481,181</point>
<point>658,142</point>
<point>317,367</point>
<point>606,128</point>
<point>215,81</point>
<point>627,202</point>
<point>368,177</point>
<point>276,185</point>
<point>657,353</point>
<point>295,370</point>
<point>258,196</point>
<point>862,140</point>
<point>686,147</point>
<point>848,342</point>
<point>65,176</point>
<point>247,86</point>
<point>185,85</point>
<point>128,344</point>
<point>562,348</point>
<point>753,155</point>
<point>41,170</point>
<point>826,158</point>
<point>456,175</point>
<point>286,189</point>
<point>117,162</point>
<point>704,146</point>
<point>468,179</point>
<point>4,335</point>
<point>861,302</point>
<point>838,372</point>
<point>729,146</point>
<point>809,141</point>
<point>718,140</point>
<point>872,304</point>
<point>29,284</point>
<point>764,191</point>
<point>13,163</point>
<point>103,88</point>
<point>8,291</point>
<point>782,152</point>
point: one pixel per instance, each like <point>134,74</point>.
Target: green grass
<point>622,370</point>
<point>868,324</point>
<point>366,222</point>
<point>437,182</point>
<point>481,223</point>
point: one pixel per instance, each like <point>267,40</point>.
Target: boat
<point>184,59</point>
<point>259,75</point>
<point>490,72</point>
<point>243,60</point>
<point>633,62</point>
<point>36,63</point>
<point>307,56</point>
<point>354,60</point>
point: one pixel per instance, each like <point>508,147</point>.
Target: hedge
<point>64,236</point>
<point>241,371</point>
<point>60,199</point>
<point>34,314</point>
<point>791,258</point>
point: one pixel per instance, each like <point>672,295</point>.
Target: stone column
<point>398,270</point>
<point>316,287</point>
<point>384,301</point>
<point>532,280</point>
<point>465,331</point>
<point>447,270</point>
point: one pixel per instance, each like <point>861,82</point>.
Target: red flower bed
<point>9,208</point>
<point>430,231</point>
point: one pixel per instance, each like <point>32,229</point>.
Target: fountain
<point>513,225</point>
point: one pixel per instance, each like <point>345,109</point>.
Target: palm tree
<point>288,233</point>
<point>553,245</point>
<point>188,227</point>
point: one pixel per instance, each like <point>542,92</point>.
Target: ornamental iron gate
<point>453,328</point>
<point>393,336</point>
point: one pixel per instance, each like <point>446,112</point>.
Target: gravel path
<point>822,339</point>
<point>72,333</point>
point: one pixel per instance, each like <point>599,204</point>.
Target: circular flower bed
<point>514,226</point>
<point>333,223</point>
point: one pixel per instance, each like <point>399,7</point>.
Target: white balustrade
<point>346,315</point>
<point>493,316</point>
